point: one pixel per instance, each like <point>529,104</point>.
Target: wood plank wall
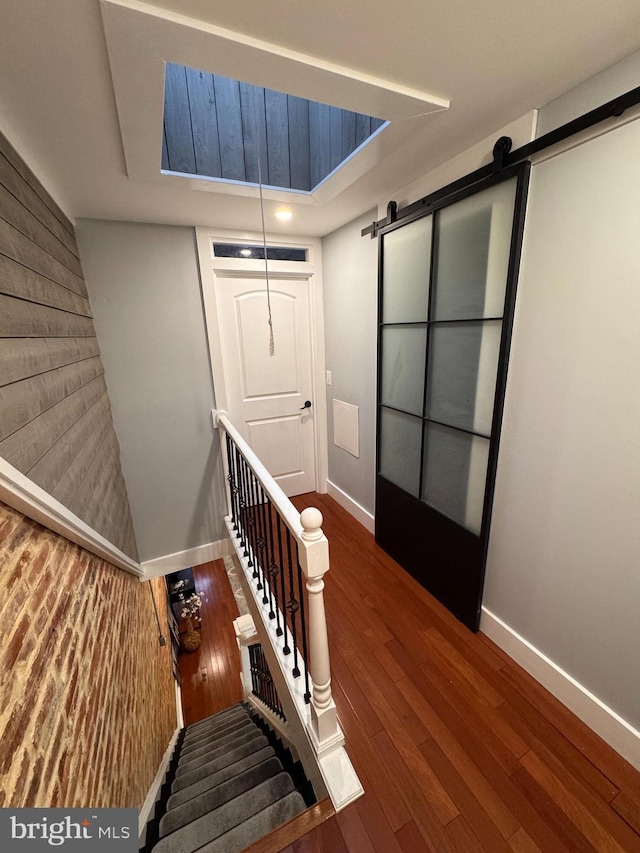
<point>55,416</point>
<point>216,126</point>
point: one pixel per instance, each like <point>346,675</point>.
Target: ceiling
<point>67,88</point>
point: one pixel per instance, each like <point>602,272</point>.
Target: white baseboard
<point>185,559</point>
<point>352,507</point>
<point>147,806</point>
<point>610,726</point>
<point>179,713</point>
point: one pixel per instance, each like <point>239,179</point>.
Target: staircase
<point>230,782</point>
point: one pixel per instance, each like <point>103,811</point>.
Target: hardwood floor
<point>211,675</point>
<point>457,747</point>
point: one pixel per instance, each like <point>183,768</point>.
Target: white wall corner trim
<point>604,721</point>
<point>353,507</point>
<point>150,801</point>
<point>22,494</point>
<point>185,559</point>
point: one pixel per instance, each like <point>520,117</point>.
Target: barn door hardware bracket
<point>500,153</point>
<point>392,215</point>
<point>392,212</point>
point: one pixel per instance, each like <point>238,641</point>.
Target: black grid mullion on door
<point>435,229</point>
<point>457,428</point>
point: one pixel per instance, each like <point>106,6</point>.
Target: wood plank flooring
<point>211,675</point>
<point>457,747</point>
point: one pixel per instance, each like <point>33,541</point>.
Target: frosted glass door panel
<point>406,265</point>
<point>403,360</point>
<point>473,241</point>
<point>463,363</point>
<point>400,446</point>
<point>455,472</point>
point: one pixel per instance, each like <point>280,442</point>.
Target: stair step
<point>258,826</point>
<point>211,799</point>
<point>209,737</point>
<point>212,724</point>
<point>207,754</point>
<point>219,715</point>
<point>231,757</point>
<point>228,772</point>
<point>226,817</point>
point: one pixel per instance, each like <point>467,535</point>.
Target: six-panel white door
<point>266,394</point>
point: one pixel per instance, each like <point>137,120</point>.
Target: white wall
<point>144,289</point>
<point>350,314</point>
<point>614,81</point>
<point>564,560</point>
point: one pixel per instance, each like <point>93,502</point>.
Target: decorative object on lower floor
<point>191,638</point>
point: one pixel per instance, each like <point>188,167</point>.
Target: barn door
<point>447,291</point>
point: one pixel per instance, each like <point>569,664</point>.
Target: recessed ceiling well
<point>141,40</point>
<point>219,128</point>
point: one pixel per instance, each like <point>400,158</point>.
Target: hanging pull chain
<point>272,345</point>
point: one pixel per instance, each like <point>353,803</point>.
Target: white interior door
<point>266,394</point>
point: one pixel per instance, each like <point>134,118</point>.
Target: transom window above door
<point>274,253</point>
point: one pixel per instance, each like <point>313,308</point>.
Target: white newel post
<point>314,560</point>
<point>246,636</point>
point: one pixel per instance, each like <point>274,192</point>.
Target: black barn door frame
<point>416,535</point>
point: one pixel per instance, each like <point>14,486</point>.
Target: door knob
<point>307,405</point>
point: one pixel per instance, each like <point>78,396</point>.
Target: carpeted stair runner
<point>230,783</point>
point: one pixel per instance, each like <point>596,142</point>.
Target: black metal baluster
<point>262,540</point>
<point>271,692</point>
<point>265,507</point>
<point>233,484</point>
<point>251,523</point>
<point>254,669</point>
<point>259,674</point>
<point>273,570</point>
<point>286,649</point>
<point>292,606</point>
<point>231,481</point>
<point>266,687</point>
<point>235,496</point>
<point>274,699</point>
<point>303,626</point>
<point>243,503</point>
<point>263,685</point>
<point>268,681</point>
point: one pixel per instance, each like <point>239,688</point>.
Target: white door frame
<point>312,268</point>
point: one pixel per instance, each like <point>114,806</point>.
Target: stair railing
<point>284,556</point>
<point>262,684</point>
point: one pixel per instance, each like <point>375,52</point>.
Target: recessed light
<point>283,215</point>
<point>246,252</point>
